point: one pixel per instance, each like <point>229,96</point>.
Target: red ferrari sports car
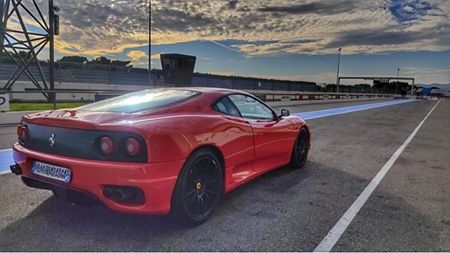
<point>158,151</point>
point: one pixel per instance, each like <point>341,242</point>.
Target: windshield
<point>145,100</point>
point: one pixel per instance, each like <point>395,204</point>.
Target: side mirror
<point>285,113</point>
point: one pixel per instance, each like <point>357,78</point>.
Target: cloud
<point>225,46</point>
<point>428,75</point>
<point>92,27</point>
<point>253,28</point>
<point>155,57</point>
<point>321,8</point>
<point>137,55</point>
<point>101,26</point>
<point>359,26</point>
<point>222,73</point>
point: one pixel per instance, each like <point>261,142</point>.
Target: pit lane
<point>284,210</point>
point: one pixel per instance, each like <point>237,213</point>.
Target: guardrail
<point>289,96</point>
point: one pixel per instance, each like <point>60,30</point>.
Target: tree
<point>377,84</point>
<point>362,85</point>
<point>101,60</point>
<point>21,54</point>
<point>399,85</point>
<point>120,63</point>
<point>77,59</point>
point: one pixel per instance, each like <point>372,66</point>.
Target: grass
<point>40,106</point>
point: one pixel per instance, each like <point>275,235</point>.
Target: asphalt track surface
<point>407,209</point>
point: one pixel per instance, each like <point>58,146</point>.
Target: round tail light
<point>22,132</point>
<point>106,145</point>
<point>133,147</point>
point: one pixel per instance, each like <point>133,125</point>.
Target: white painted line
<point>5,172</point>
<point>336,232</point>
<point>5,150</point>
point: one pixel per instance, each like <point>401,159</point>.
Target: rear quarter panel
<point>176,137</point>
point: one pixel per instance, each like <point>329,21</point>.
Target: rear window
<point>145,100</point>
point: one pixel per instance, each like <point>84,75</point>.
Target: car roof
<point>210,90</point>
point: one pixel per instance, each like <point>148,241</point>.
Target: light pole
<point>337,74</point>
<point>396,86</point>
<point>150,43</point>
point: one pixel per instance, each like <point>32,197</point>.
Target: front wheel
<point>300,150</point>
<point>199,188</point>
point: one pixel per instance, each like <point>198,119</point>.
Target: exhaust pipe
<point>15,168</point>
<point>124,194</point>
<point>107,192</point>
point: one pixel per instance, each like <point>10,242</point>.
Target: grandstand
<point>75,75</point>
<point>7,70</point>
<point>111,76</point>
<point>71,73</point>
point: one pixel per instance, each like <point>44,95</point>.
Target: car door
<point>238,143</point>
<point>273,136</point>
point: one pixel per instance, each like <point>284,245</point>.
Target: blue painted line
<point>337,111</point>
<point>6,158</point>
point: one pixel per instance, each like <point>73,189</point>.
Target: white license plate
<point>51,171</point>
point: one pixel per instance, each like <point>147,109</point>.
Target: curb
<point>8,118</point>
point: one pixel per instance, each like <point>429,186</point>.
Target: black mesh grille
<point>79,143</point>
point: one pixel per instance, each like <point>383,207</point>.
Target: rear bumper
<point>156,180</point>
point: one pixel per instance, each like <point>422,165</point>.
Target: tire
<point>199,188</point>
<point>301,148</point>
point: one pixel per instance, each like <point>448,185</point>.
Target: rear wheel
<point>199,188</point>
<point>300,150</point>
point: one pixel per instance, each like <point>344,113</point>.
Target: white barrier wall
<point>88,94</point>
<point>4,102</point>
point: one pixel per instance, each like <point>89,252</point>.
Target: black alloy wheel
<point>300,150</point>
<point>199,188</point>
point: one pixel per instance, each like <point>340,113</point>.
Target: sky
<point>279,39</point>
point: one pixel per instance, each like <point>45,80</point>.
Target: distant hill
<point>440,86</point>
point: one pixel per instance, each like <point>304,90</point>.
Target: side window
<point>251,108</point>
<point>224,105</point>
